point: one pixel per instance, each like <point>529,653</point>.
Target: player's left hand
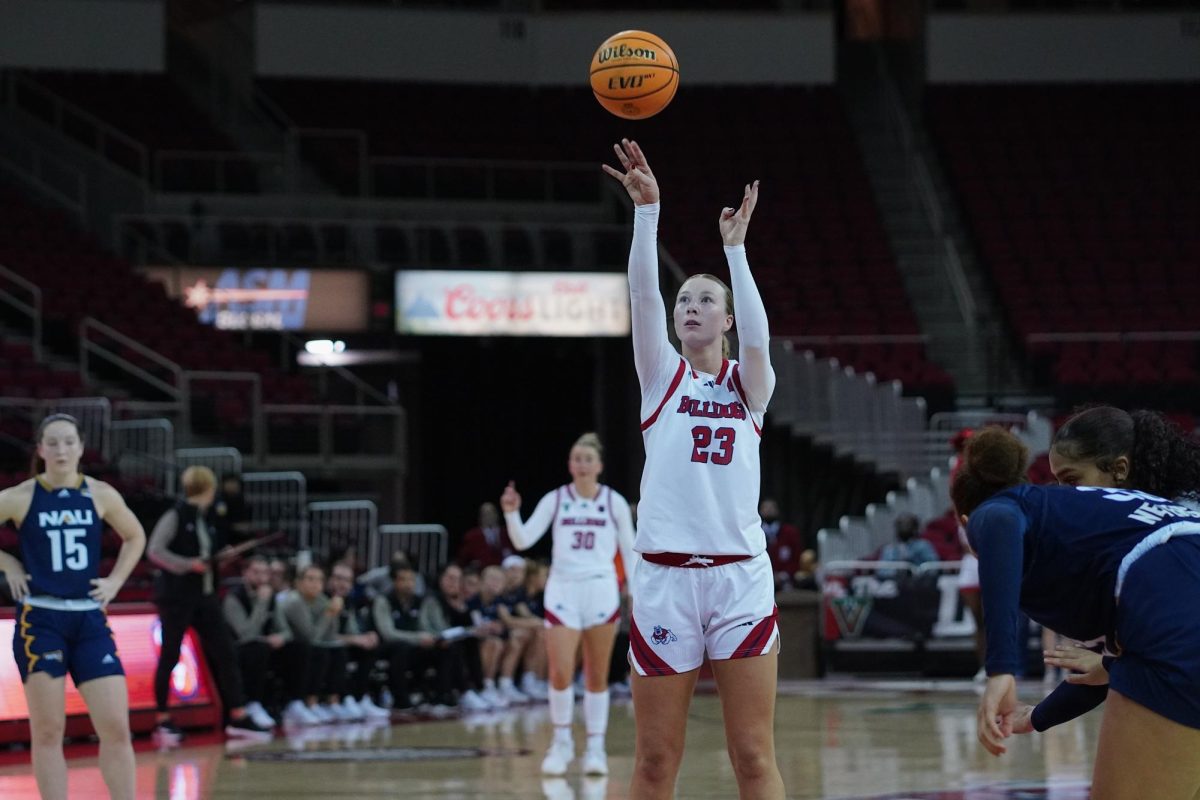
<point>104,590</point>
<point>734,222</point>
<point>1019,721</point>
<point>1085,666</point>
<point>998,702</point>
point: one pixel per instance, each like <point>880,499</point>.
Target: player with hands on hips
<point>60,515</point>
<point>590,523</point>
<point>705,584</point>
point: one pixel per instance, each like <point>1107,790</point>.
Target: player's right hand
<point>199,566</point>
<point>18,581</point>
<point>637,179</point>
<point>1085,667</point>
<point>998,702</point>
<point>509,499</point>
<point>1019,721</point>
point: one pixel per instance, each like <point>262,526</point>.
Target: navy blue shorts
<point>1159,634</point>
<point>57,642</point>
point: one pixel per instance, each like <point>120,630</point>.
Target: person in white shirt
<point>704,586</point>
<point>590,524</point>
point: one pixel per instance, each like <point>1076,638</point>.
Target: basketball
<point>634,74</point>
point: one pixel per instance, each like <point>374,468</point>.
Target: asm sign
<point>269,299</point>
<point>512,303</point>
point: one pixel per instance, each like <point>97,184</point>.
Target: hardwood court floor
<point>836,739</point>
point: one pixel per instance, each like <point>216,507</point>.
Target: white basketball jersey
<point>585,533</point>
<point>700,484</point>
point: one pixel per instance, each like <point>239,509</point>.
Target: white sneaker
<point>622,688</point>
<point>535,689</point>
<point>595,761</point>
<point>372,711</point>
<point>326,713</point>
<point>494,698</point>
<point>472,701</point>
<point>260,715</point>
<point>558,758</point>
<point>514,696</point>
<point>353,711</point>
<point>296,713</point>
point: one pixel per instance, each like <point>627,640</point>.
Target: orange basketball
<point>634,74</point>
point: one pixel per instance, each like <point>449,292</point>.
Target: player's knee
<point>47,733</point>
<point>558,676</point>
<point>113,731</point>
<point>751,762</point>
<point>658,762</point>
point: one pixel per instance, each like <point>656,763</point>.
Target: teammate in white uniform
<point>590,524</point>
<point>705,585</point>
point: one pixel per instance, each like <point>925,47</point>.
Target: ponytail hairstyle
<point>36,465</point>
<point>725,349</point>
<point>1163,460</point>
<point>994,460</point>
<point>591,440</point>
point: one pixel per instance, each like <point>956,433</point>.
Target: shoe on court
<point>372,711</point>
<point>297,713</point>
<point>247,728</point>
<point>595,762</point>
<point>353,711</point>
<point>260,715</point>
<point>514,696</point>
<point>558,758</point>
<point>494,698</point>
<point>472,701</point>
<point>167,735</point>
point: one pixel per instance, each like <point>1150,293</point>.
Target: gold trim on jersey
<point>46,484</point>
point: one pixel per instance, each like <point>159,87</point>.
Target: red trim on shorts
<point>760,635</point>
<point>721,374</point>
<point>670,391</point>
<point>650,661</point>
<point>969,589</point>
<point>616,615</point>
<point>737,382</point>
<point>553,620</point>
<point>691,560</point>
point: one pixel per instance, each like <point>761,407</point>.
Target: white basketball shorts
<point>680,613</point>
<point>582,603</point>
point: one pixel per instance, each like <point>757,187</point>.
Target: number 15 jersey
<point>700,484</point>
<point>60,540</point>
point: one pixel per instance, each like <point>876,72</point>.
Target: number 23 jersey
<point>700,484</point>
<point>60,540</point>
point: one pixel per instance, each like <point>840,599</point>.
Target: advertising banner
<point>269,299</point>
<point>459,303</point>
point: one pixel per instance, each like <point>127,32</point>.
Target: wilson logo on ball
<point>634,74</point>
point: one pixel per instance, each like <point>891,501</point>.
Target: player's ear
<point>1120,471</point>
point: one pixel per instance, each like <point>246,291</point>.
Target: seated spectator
<point>282,577</point>
<point>312,617</point>
<point>264,644</point>
<point>444,613</point>
<point>485,613</point>
<point>397,621</point>
<point>362,647</point>
<point>471,581</point>
<point>523,627</point>
<point>533,680</point>
<point>784,544</point>
<point>942,533</point>
<point>487,544</point>
<point>908,546</point>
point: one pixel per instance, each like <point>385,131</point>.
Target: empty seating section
<point>152,111</point>
<point>817,244</point>
<point>79,280</point>
<point>1084,203</point>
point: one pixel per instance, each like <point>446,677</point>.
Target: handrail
<point>60,104</point>
<point>922,182</point>
<point>32,310</point>
<point>36,173</point>
<point>1115,336</point>
<point>220,160</point>
<point>86,347</point>
<point>258,426</point>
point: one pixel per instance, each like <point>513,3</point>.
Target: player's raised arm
<point>525,535</point>
<point>750,316</point>
<point>652,351</point>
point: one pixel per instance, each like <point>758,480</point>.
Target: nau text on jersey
<point>708,408</point>
<point>56,519</point>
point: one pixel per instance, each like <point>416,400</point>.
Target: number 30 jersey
<point>60,540</point>
<point>588,533</point>
<point>700,484</point>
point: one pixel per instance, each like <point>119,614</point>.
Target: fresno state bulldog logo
<point>662,635</point>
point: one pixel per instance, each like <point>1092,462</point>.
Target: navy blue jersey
<point>488,611</point>
<point>1056,552</point>
<point>60,541</point>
